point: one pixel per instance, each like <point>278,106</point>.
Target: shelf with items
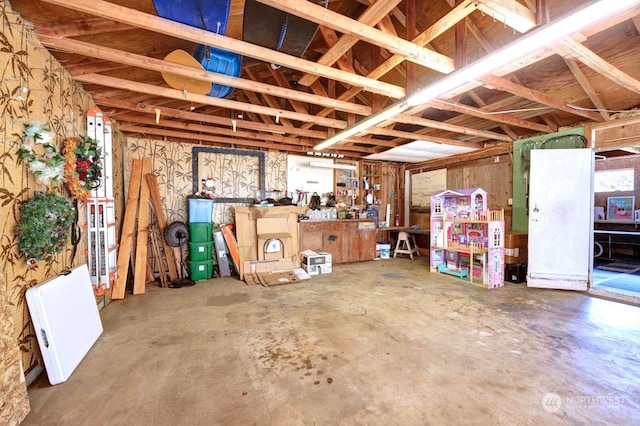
<point>381,189</point>
<point>467,239</point>
<point>346,188</point>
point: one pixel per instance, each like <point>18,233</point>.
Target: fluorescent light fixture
<point>371,121</point>
<point>519,49</point>
<point>332,165</point>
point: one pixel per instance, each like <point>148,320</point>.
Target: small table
<point>406,229</point>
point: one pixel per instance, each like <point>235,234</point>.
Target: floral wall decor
<point>82,166</point>
<point>47,167</point>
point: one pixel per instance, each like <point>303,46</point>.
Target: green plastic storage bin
<point>200,251</point>
<point>201,270</point>
<point>200,232</point>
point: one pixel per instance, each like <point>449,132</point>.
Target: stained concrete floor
<point>374,343</point>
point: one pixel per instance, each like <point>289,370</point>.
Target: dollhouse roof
<point>459,192</point>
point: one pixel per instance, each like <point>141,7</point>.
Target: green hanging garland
<point>44,226</point>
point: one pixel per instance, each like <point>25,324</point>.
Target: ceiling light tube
<point>332,165</point>
<point>520,48</point>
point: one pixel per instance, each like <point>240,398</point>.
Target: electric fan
<point>176,234</point>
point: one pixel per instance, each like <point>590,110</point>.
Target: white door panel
<point>560,218</point>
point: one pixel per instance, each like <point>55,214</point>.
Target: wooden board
<point>128,227</point>
<point>156,203</point>
<point>142,240</point>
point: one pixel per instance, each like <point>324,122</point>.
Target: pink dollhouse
<point>467,239</point>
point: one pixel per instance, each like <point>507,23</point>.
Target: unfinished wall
<point>34,87</point>
<point>235,175</point>
<point>494,177</point>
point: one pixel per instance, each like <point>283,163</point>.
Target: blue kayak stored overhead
<point>211,15</point>
<point>220,61</point>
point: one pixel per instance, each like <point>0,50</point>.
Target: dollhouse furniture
<point>406,244</point>
<point>467,239</point>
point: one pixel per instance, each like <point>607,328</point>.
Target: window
<point>613,180</point>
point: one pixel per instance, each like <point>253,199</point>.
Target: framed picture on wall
<point>621,208</point>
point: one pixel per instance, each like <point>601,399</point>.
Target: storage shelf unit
<point>467,240</point>
<point>201,238</point>
<point>346,184</point>
<point>381,182</point>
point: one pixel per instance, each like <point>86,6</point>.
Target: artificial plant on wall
<point>44,226</point>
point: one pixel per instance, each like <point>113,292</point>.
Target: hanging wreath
<point>82,165</point>
<point>48,167</point>
<point>44,226</point>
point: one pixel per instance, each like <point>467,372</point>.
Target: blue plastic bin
<point>200,210</point>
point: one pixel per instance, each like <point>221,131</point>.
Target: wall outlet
<point>510,201</point>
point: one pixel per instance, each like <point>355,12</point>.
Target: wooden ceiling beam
<point>511,13</point>
<point>153,23</point>
<point>587,87</point>
<point>204,118</point>
<point>371,16</point>
<point>491,116</point>
<point>148,89</point>
<point>82,27</point>
<point>447,127</point>
<point>443,24</point>
<point>218,140</point>
<point>570,48</point>
<point>131,59</point>
<point>499,83</point>
<point>322,16</point>
<point>213,130</point>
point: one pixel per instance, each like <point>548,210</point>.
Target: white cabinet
<point>467,239</point>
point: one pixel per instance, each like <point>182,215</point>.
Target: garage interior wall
<point>35,88</point>
<point>234,175</point>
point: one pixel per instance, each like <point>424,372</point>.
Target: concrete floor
<point>375,343</point>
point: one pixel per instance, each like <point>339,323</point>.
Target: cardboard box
<point>274,272</point>
<point>316,263</point>
<point>274,237</point>
<point>515,247</point>
<point>247,235</point>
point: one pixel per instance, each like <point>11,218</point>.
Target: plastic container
<point>200,251</point>
<point>220,61</point>
<point>384,248</point>
<point>201,270</point>
<point>200,232</point>
<point>200,210</point>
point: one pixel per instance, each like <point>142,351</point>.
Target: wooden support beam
<point>338,49</point>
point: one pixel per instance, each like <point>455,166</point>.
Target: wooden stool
<point>406,245</point>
